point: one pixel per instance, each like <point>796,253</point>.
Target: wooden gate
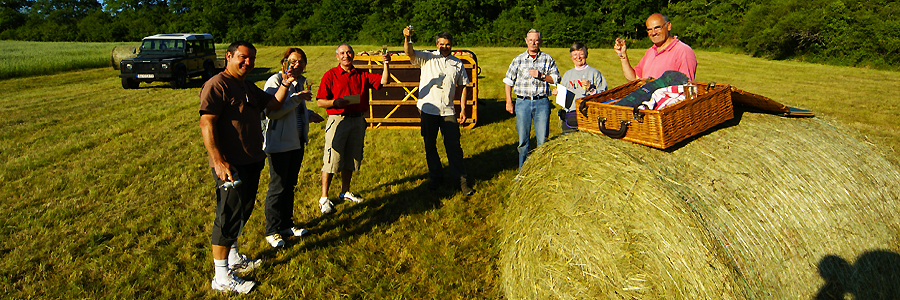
<point>394,106</point>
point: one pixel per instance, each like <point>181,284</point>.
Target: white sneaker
<point>351,197</point>
<point>245,264</point>
<point>325,205</point>
<point>294,231</point>
<point>233,284</point>
<point>275,240</point>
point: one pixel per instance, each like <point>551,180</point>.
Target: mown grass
<point>107,193</point>
<point>22,58</point>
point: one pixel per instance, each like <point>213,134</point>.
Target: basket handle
<point>582,107</point>
<point>616,134</point>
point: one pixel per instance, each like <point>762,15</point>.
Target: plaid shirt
<point>523,84</point>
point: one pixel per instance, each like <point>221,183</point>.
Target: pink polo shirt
<point>676,56</point>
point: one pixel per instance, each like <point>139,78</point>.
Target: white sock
<point>233,255</point>
<point>221,269</point>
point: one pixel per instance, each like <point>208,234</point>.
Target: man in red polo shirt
<point>667,53</point>
<point>344,95</point>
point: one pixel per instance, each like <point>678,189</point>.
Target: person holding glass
<point>667,52</point>
<point>580,81</point>
<point>286,133</point>
<point>530,76</point>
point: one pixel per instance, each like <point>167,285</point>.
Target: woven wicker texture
<point>663,128</point>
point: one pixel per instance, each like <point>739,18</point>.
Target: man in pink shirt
<point>667,53</point>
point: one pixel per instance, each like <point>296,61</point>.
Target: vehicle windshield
<point>162,46</point>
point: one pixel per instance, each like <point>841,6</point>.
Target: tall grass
<point>107,193</point>
<point>42,58</point>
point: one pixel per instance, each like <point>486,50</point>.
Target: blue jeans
<point>527,111</point>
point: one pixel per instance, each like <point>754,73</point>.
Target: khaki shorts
<point>344,140</point>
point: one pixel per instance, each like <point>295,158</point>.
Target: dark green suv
<point>170,57</point>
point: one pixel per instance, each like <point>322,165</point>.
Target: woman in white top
<point>285,133</point>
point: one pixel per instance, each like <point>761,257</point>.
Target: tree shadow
<point>874,275</point>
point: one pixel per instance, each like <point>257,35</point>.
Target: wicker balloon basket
<point>655,128</point>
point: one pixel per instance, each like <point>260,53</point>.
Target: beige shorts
<point>344,140</point>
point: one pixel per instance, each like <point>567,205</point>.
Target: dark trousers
<point>284,167</point>
<point>449,128</point>
<point>234,206</point>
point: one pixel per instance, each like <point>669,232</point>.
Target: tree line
<point>861,33</point>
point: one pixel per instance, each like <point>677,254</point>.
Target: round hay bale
<point>770,208</point>
<point>122,52</point>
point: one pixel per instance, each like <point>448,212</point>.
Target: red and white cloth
<point>664,97</point>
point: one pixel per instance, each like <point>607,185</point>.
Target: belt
<point>351,115</point>
<point>532,97</point>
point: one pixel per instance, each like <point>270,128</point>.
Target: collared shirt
<point>238,104</point>
<point>337,83</point>
<point>523,84</point>
<point>438,82</point>
<point>676,56</point>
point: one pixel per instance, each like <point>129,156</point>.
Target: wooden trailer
<point>394,106</point>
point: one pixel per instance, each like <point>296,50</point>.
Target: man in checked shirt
<point>530,76</point>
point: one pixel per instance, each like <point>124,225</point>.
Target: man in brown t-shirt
<point>230,109</point>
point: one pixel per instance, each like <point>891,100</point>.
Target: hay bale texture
<point>122,52</point>
<point>769,208</point>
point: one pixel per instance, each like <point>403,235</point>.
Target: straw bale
<point>767,208</point>
<point>122,52</point>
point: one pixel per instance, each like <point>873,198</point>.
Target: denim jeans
<point>527,111</point>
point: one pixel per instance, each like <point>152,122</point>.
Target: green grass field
<point>22,58</point>
<point>107,193</point>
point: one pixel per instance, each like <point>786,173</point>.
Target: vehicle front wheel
<point>179,79</point>
<point>128,83</point>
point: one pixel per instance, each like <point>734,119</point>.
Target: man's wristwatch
<point>285,84</point>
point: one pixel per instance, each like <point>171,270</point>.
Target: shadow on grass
<point>380,212</point>
<point>492,111</point>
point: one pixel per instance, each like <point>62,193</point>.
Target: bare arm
<point>385,74</point>
<point>291,101</point>
<point>208,130</point>
<point>407,44</point>
<point>336,103</point>
<point>622,52</point>
<point>280,96</point>
<point>462,106</point>
<point>541,76</point>
<point>509,105</point>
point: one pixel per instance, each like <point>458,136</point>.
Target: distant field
<point>106,192</point>
<point>43,58</point>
